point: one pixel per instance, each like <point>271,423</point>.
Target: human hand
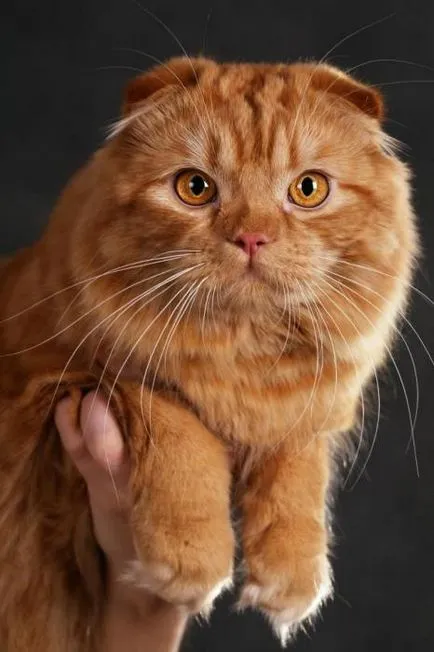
<point>133,616</point>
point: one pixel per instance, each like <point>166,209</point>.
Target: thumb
<point>101,434</point>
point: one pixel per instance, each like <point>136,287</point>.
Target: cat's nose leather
<point>250,242</point>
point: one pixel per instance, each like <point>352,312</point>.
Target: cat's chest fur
<point>241,393</point>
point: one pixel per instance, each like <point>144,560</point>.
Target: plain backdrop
<point>63,68</point>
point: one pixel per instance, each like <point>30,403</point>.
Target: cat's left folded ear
<point>178,72</point>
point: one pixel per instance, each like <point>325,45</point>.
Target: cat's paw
<point>185,569</point>
<point>197,595</point>
<point>291,596</point>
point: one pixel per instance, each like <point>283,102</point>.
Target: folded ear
<point>179,71</point>
<point>332,80</point>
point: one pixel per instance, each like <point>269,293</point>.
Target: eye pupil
<point>197,185</point>
<point>308,186</point>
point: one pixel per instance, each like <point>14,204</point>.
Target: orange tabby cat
<point>228,268</point>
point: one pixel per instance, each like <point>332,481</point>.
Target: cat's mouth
<point>252,270</point>
<point>254,274</point>
<point>257,272</point>
<point>252,284</point>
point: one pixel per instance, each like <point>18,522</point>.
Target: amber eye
<point>195,188</point>
<point>309,190</point>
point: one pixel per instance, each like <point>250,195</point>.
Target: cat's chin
<point>258,285</point>
<point>259,277</point>
<point>248,294</point>
<point>252,277</point>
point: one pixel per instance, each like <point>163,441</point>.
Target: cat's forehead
<point>262,113</point>
<point>268,116</point>
<point>243,86</point>
<point>249,80</point>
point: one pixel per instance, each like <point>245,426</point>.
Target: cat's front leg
<point>181,494</point>
<point>285,536</point>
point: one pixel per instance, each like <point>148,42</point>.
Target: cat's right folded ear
<point>328,79</point>
<point>183,72</point>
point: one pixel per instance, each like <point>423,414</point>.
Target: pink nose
<point>250,242</point>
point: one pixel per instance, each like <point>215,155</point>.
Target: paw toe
<point>285,605</point>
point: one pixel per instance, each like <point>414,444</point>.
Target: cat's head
<point>274,183</point>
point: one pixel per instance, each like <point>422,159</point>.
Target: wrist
<point>125,596</point>
<point>140,619</point>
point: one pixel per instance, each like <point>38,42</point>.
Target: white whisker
<point>286,309</point>
<point>316,378</point>
<point>166,284</point>
<point>398,372</point>
<point>178,313</point>
<point>139,339</point>
<point>120,309</point>
<point>154,287</point>
<point>393,326</point>
<point>335,362</point>
<point>184,51</point>
<point>202,326</point>
<point>128,266</point>
<point>378,271</point>
<point>356,369</point>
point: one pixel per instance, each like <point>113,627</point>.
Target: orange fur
<point>264,368</point>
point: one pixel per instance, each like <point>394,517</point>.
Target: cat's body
<point>260,349</point>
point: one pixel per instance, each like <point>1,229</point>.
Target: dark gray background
<point>63,70</point>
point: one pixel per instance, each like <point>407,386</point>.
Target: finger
<point>70,435</point>
<point>108,484</point>
<point>97,449</point>
<point>101,434</point>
